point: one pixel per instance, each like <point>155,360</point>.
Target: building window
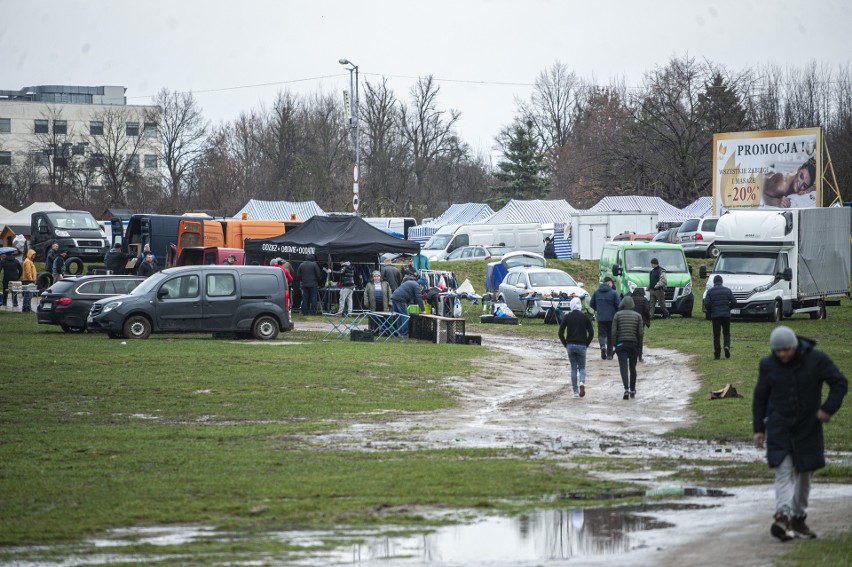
<point>40,127</point>
<point>150,161</point>
<point>132,128</point>
<point>133,162</point>
<point>79,149</point>
<point>150,130</point>
<point>96,128</point>
<point>42,157</point>
<point>5,158</point>
<point>60,127</point>
<point>97,160</point>
<point>5,125</point>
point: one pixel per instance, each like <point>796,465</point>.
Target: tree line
<point>571,139</point>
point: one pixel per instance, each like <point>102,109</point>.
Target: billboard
<point>770,168</point>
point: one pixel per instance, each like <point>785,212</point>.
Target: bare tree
<point>552,106</point>
<point>387,167</point>
<point>116,152</point>
<point>182,131</point>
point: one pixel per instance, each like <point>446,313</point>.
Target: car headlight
<point>687,289</point>
<point>62,233</point>
<point>763,287</point>
<point>110,306</point>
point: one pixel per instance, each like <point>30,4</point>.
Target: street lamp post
<point>356,197</point>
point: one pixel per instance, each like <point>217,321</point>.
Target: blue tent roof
<point>279,210</point>
<point>557,212</point>
<point>640,203</point>
<point>462,213</point>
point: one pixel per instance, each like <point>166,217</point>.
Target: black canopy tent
<point>330,238</point>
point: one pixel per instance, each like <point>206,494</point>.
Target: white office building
<point>69,134</point>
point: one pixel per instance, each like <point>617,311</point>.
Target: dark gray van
<point>246,300</point>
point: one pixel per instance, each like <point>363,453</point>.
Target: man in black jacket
<point>347,287</point>
<point>309,279</point>
<point>788,413</point>
<point>391,275</point>
<point>11,272</point>
<point>576,333</point>
<point>114,259</point>
<point>718,302</point>
<point>657,283</point>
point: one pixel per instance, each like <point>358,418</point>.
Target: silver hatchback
<point>697,237</point>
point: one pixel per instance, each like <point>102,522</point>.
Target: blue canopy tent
<point>700,208</point>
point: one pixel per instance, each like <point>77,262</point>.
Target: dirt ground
<point>522,399</point>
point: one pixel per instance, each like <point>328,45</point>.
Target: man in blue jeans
<point>576,333</point>
<point>408,293</point>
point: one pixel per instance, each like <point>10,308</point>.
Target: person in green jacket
<point>628,331</point>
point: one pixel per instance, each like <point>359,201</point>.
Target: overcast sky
<point>486,52</point>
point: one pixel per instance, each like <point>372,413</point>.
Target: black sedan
<point>67,302</point>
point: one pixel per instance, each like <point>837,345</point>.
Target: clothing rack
<point>433,278</point>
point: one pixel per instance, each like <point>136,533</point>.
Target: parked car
<point>666,236</point>
<point>475,253</point>
<point>67,302</point>
<point>632,236</point>
<point>242,300</point>
<point>547,283</point>
<point>697,237</point>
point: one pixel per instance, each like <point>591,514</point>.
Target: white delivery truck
<point>513,237</point>
<point>778,263</point>
<point>591,230</point>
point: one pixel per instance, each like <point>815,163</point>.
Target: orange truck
<point>228,233</point>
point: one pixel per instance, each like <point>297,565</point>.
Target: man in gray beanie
<point>788,414</point>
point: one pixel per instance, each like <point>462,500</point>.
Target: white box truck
<point>590,230</point>
<point>778,263</point>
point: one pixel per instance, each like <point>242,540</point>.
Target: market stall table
<point>439,330</point>
<point>344,324</point>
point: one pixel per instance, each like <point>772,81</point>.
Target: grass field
<point>187,429</point>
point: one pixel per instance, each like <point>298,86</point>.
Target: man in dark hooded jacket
<point>605,303</point>
<point>309,275</point>
<point>718,302</point>
<point>642,306</point>
<point>11,272</point>
<point>788,414</point>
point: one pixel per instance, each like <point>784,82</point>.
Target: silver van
<point>249,301</point>
<point>697,237</point>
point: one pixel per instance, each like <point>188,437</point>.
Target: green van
<point>630,261</point>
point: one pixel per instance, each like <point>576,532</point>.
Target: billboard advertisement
<point>771,168</point>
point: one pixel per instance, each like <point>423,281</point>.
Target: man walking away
<point>657,284</point>
<point>642,306</point>
<point>114,259</point>
<point>309,278</point>
<point>605,303</point>
<point>576,334</point>
<point>718,302</point>
<point>628,331</point>
<point>787,415</point>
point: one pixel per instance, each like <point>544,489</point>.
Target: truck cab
<point>75,231</point>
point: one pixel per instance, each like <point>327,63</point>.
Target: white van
<point>512,237</point>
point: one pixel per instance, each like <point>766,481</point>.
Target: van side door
<point>221,300</point>
<point>177,303</point>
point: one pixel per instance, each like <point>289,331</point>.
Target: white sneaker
<point>576,395</point>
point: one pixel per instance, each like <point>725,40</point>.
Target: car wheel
<point>137,327</point>
<point>71,329</point>
<point>265,328</point>
<point>712,252</point>
<point>777,313</point>
<point>821,314</point>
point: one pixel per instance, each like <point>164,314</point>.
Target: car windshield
<point>524,260</point>
<point>639,260</point>
<point>73,221</point>
<point>551,279</point>
<point>438,242</point>
<point>746,263</point>
<point>149,284</point>
<point>663,236</point>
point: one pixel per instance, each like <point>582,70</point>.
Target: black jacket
<point>719,301</point>
<point>786,400</point>
<point>114,260</point>
<point>576,329</point>
<point>627,325</point>
<point>309,274</point>
<point>641,305</point>
<point>392,275</point>
<point>550,250</point>
<point>11,269</point>
<point>145,269</point>
<point>347,276</point>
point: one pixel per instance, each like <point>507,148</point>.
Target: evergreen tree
<point>522,169</point>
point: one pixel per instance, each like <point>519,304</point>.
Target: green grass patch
<point>832,551</point>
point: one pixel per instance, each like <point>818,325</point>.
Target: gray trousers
<point>792,489</point>
<point>346,300</point>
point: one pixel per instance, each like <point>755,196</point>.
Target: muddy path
<point>521,398</point>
